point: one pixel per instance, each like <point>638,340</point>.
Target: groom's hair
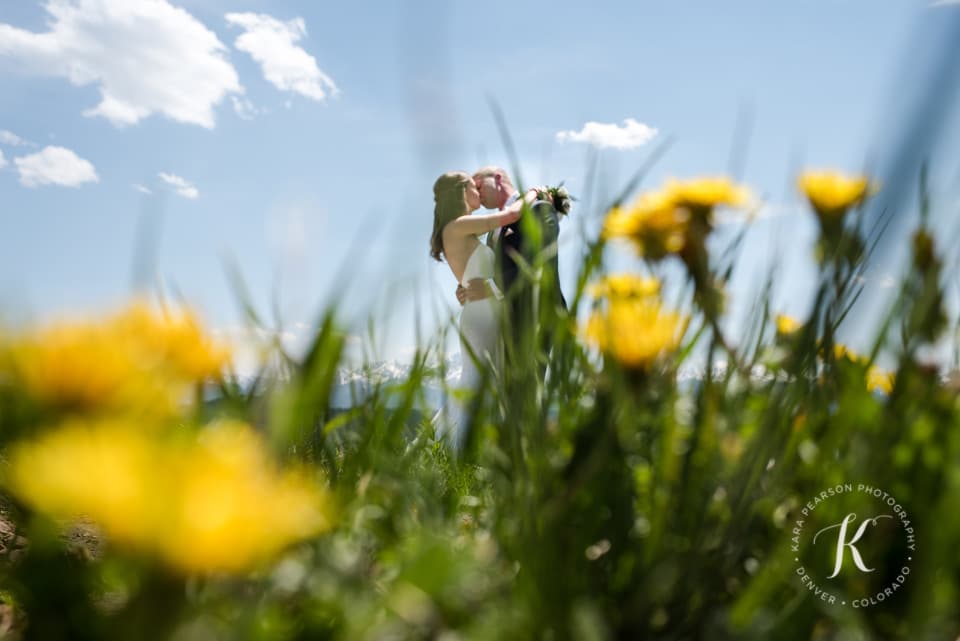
<point>487,172</point>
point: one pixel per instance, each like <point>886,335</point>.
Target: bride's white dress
<point>480,329</point>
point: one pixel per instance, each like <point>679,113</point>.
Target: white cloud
<point>145,56</point>
<point>55,166</point>
<point>3,161</point>
<point>180,185</point>
<point>631,135</point>
<point>142,189</point>
<point>286,66</point>
<point>12,139</point>
<point>944,3</point>
<point>244,108</point>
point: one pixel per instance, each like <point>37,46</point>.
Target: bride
<point>455,238</point>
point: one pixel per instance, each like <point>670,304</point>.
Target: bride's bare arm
<point>482,223</point>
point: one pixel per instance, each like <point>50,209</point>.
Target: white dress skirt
<point>480,329</point>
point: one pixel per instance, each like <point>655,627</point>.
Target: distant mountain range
<point>354,384</point>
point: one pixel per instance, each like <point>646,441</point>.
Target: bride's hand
<point>513,212</point>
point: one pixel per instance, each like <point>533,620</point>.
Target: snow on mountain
<point>354,384</point>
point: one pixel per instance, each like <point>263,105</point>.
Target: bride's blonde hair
<point>450,202</point>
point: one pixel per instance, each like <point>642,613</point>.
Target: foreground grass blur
<point>604,501</point>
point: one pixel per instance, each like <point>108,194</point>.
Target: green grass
<point>601,503</point>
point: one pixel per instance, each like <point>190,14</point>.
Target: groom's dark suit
<point>532,238</point>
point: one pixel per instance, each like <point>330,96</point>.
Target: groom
<point>527,242</point>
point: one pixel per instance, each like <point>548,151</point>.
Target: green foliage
<point>592,501</point>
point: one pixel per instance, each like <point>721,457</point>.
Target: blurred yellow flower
<point>233,508</point>
<point>787,324</point>
<point>82,367</point>
<point>832,193</point>
<point>841,352</point>
<point>635,331</point>
<point>706,193</point>
<point>625,286</point>
<point>174,338</point>
<point>213,503</point>
<point>653,222</point>
<point>104,471</point>
<point>876,379</point>
<point>879,380</point>
<point>136,360</point>
<point>659,222</point>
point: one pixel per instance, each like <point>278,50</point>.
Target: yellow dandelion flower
<point>80,366</point>
<point>787,324</point>
<point>842,352</point>
<point>104,471</point>
<point>832,193</point>
<point>635,332</point>
<point>136,360</point>
<point>619,223</point>
<point>659,222</point>
<point>707,193</point>
<point>175,338</point>
<point>625,286</point>
<point>879,380</point>
<point>234,508</point>
<point>876,379</point>
<point>214,503</point>
<point>653,222</point>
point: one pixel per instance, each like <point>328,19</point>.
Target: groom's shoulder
<point>543,208</point>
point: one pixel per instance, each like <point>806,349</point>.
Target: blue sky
<point>301,140</point>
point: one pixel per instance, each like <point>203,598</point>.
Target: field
<point>602,500</point>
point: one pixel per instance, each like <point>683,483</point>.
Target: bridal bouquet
<point>558,196</point>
